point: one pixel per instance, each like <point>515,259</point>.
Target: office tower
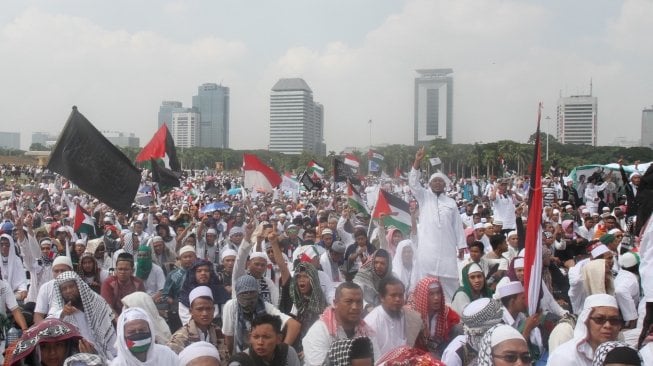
<point>647,127</point>
<point>577,120</point>
<point>122,139</point>
<point>433,105</point>
<point>165,112</point>
<point>185,128</point>
<point>10,140</point>
<point>212,103</point>
<point>296,121</point>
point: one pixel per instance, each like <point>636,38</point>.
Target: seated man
<point>122,284</point>
<point>393,325</point>
<point>238,314</point>
<point>266,347</point>
<point>343,320</point>
<point>45,300</point>
<point>200,327</point>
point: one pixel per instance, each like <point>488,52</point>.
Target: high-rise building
<point>44,138</point>
<point>647,127</point>
<point>577,120</point>
<point>10,140</point>
<point>296,121</point>
<point>433,105</point>
<point>185,128</point>
<point>165,111</point>
<point>212,103</point>
<point>122,139</point>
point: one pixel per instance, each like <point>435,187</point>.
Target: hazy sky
<point>117,60</point>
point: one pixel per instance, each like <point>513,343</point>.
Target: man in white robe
<point>440,230</point>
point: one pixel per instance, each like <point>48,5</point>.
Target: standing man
<point>441,236</point>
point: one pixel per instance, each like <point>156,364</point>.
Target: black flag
<point>164,176</point>
<point>309,183</point>
<point>342,171</point>
<point>93,163</point>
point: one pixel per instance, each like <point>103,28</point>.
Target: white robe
<point>440,233</point>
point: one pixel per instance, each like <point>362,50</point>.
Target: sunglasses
<point>513,357</point>
<point>600,320</point>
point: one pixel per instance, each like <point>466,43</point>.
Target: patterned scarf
<point>331,322</point>
<point>409,356</point>
<point>446,318</point>
<point>367,277</point>
<point>340,351</point>
<point>245,324</point>
<point>143,262</point>
<point>616,352</point>
<point>309,307</point>
<point>96,310</point>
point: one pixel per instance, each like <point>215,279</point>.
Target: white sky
<point>117,60</point>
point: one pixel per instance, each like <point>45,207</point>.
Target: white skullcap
<point>502,282</point>
<point>473,268</point>
<point>488,225</point>
<point>585,211</point>
<point>196,350</point>
<point>80,241</point>
<point>441,176</point>
<point>62,259</point>
<point>326,231</point>
<point>511,288</point>
<point>569,206</point>
<point>476,306</point>
<point>599,250</point>
<point>199,291</point>
<point>514,232</point>
<point>498,222</point>
<point>236,230</point>
<point>634,174</point>
<point>556,211</point>
<point>226,253</point>
<point>504,332</point>
<point>211,231</point>
<point>628,260</point>
<point>519,262</point>
<point>479,226</point>
<point>186,249</point>
<point>596,300</point>
<point>614,231</point>
<point>131,314</point>
<point>157,239</point>
<point>605,209</point>
<point>254,255</point>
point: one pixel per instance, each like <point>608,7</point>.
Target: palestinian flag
<point>258,176</point>
<point>352,161</point>
<point>84,222</point>
<point>139,346</point>
<point>355,200</point>
<point>162,146</point>
<point>397,211</point>
<point>315,170</point>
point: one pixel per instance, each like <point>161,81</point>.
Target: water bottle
<point>13,334</point>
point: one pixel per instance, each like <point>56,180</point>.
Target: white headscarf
<point>144,301</point>
<point>196,350</point>
<point>156,355</point>
<point>14,266</point>
<point>407,276</point>
<point>446,179</point>
<point>581,331</point>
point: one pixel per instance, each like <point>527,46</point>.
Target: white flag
<point>435,161</point>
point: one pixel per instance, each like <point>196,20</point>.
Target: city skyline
<point>508,56</point>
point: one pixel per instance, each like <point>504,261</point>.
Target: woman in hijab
<point>136,344</point>
<point>377,267</point>
<point>440,322</point>
<point>598,322</point>
<point>89,271</point>
<point>393,238</point>
<point>144,301</point>
<point>616,354</point>
<point>404,263</point>
<point>201,273</point>
<point>47,344</point>
<point>474,287</point>
<point>503,345</point>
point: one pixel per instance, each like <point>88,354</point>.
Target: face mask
<point>139,342</point>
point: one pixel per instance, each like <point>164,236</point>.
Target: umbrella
<point>234,191</point>
<point>215,206</point>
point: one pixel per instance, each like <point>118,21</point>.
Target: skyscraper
<point>647,127</point>
<point>433,105</point>
<point>10,140</point>
<point>165,111</point>
<point>577,120</point>
<point>185,128</point>
<point>212,103</point>
<point>296,121</point>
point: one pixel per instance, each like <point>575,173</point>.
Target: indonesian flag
<point>352,161</point>
<point>83,222</point>
<point>162,146</point>
<point>258,176</point>
<point>397,211</point>
<point>533,245</point>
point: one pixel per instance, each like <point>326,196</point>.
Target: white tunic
<point>389,332</point>
<point>626,290</point>
<point>440,233</point>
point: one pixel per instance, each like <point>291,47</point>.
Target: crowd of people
<point>212,275</point>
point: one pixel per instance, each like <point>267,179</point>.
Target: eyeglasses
<point>513,357</point>
<point>600,320</point>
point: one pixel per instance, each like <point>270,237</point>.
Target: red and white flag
<point>533,244</point>
<point>352,161</point>
<point>258,176</point>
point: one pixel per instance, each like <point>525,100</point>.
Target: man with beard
<point>79,305</point>
<point>122,283</point>
<point>207,247</point>
<point>393,325</point>
<point>236,235</point>
<point>238,314</point>
<point>162,256</point>
<point>173,284</point>
<point>370,275</point>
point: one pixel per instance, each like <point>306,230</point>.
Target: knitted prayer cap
<point>246,283</point>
